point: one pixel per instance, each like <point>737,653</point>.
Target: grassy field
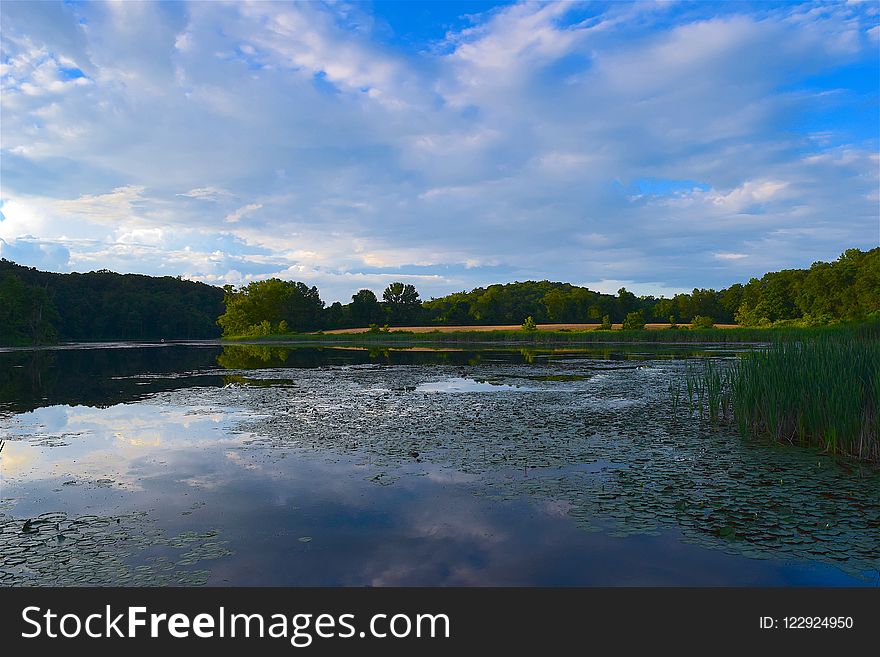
<point>557,335</point>
<point>504,327</point>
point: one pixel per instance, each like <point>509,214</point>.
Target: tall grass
<point>709,390</point>
<point>822,390</point>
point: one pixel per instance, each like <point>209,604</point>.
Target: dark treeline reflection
<point>247,357</point>
<point>252,356</point>
<point>104,376</point>
<point>99,377</point>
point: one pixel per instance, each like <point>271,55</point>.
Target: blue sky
<point>656,145</point>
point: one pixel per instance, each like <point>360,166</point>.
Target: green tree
<point>627,302</point>
<point>262,306</point>
<point>665,309</point>
<point>730,300</point>
<point>26,313</point>
<point>529,324</point>
<point>402,302</point>
<point>558,305</point>
<point>634,321</point>
<point>400,294</point>
<point>104,305</point>
<point>336,316</point>
<point>365,308</point>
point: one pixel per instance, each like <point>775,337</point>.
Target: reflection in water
<point>103,375</point>
<point>126,550</point>
<point>99,377</point>
<point>460,384</point>
<point>571,473</point>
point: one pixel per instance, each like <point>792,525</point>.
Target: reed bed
<point>822,390</point>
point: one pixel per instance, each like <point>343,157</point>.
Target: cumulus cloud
<point>232,142</point>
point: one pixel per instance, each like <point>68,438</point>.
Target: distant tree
<point>400,294</point>
<point>262,306</point>
<point>558,304</point>
<point>748,315</point>
<point>730,300</point>
<point>104,305</point>
<point>702,322</point>
<point>26,313</point>
<point>458,313</point>
<point>402,303</point>
<point>545,301</point>
<point>606,323</point>
<point>665,309</point>
<point>634,321</point>
<point>365,308</point>
<point>627,302</point>
<point>336,316</point>
<point>529,324</point>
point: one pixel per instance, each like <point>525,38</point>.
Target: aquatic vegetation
<point>596,436</point>
<point>54,549</point>
<point>823,391</point>
<point>585,431</point>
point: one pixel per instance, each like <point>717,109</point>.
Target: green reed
<point>709,386</point>
<point>822,390</point>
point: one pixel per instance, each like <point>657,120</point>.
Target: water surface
<point>275,465</point>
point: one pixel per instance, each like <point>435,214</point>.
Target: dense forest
<point>40,307</point>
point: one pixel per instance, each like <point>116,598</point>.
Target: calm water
<point>251,465</point>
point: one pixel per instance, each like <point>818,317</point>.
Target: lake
<point>202,464</point>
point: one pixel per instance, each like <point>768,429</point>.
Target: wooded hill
<point>40,307</point>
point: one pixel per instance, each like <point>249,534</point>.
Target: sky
<point>659,146</point>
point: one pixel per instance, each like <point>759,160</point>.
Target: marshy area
<point>822,390</point>
<point>807,386</point>
<point>453,464</point>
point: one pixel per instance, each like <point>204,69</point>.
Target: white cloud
<point>653,288</point>
<point>244,210</point>
<point>310,145</point>
<point>143,236</point>
<point>748,194</point>
<point>206,193</point>
<point>111,207</point>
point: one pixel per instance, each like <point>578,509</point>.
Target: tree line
<point>275,306</point>
<point>847,289</point>
<point>38,307</point>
